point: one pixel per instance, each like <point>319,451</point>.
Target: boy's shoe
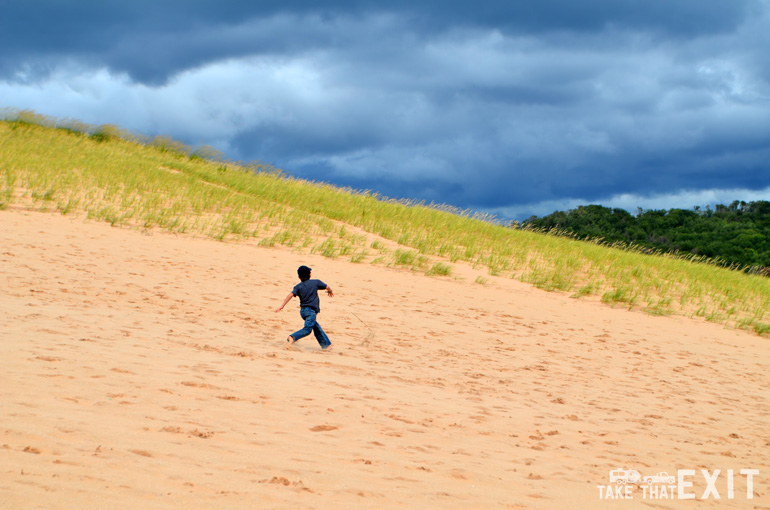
<point>328,347</point>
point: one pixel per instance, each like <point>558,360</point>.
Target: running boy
<point>309,307</point>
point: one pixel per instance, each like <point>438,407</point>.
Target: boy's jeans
<point>311,325</point>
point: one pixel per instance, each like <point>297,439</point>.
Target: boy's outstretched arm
<point>288,298</point>
<point>329,291</point>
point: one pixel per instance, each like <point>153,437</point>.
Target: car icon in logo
<point>661,477</point>
<point>624,476</point>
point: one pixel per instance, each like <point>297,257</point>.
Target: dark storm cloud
<point>505,106</point>
<point>151,40</point>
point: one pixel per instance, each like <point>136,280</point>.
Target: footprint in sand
<point>280,480</point>
<point>323,428</point>
<point>141,453</point>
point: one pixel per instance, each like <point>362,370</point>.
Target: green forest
<point>736,235</point>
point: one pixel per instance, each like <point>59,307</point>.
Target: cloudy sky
<point>516,107</point>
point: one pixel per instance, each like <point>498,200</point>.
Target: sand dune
<point>148,371</point>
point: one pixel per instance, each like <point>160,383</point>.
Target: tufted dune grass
<point>109,175</point>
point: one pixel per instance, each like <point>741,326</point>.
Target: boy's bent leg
<point>310,323</point>
<point>302,333</point>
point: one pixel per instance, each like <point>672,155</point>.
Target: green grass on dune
<point>105,174</point>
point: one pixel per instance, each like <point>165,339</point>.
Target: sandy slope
<point>147,371</point>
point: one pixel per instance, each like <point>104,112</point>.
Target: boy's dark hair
<point>304,273</point>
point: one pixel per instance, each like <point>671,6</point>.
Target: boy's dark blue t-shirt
<point>307,292</point>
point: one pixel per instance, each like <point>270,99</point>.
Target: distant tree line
<point>737,234</point>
